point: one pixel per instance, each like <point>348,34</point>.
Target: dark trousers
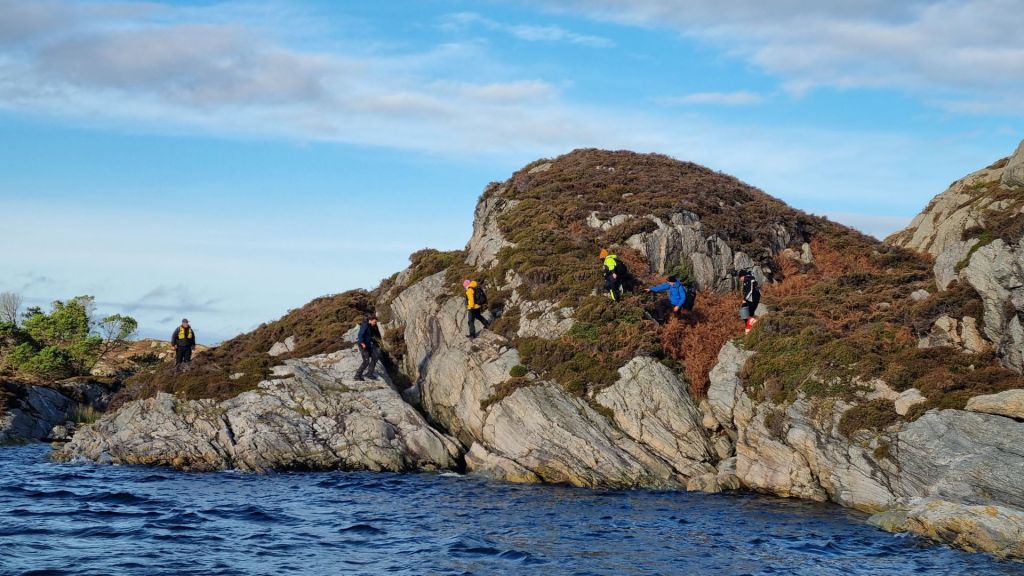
<point>182,355</point>
<point>752,306</point>
<point>664,310</point>
<point>371,355</point>
<point>474,315</point>
<point>614,286</point>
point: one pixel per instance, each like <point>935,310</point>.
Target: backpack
<point>479,296</point>
<point>691,298</point>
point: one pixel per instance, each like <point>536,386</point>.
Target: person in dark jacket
<point>672,305</point>
<point>369,346</point>
<point>184,342</point>
<point>751,298</point>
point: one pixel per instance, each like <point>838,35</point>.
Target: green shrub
<point>873,415</point>
<point>518,371</point>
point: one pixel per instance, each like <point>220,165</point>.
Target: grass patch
<point>873,415</point>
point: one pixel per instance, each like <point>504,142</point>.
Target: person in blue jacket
<point>672,305</point>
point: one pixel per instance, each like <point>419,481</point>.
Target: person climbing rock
<point>751,299</point>
<point>184,342</point>
<point>674,304</point>
<point>476,300</point>
<point>616,274</point>
<point>369,346</point>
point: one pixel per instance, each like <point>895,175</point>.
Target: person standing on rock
<point>615,274</point>
<point>184,342</point>
<point>751,299</point>
<point>476,299</point>
<point>369,346</point>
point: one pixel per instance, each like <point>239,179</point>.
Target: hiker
<point>751,299</point>
<point>615,274</point>
<point>369,346</point>
<point>476,299</point>
<point>184,342</point>
<point>674,304</point>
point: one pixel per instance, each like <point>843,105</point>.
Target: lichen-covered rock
<point>907,400</point>
<point>544,319</point>
<point>998,530</point>
<point>1008,403</point>
<point>319,418</point>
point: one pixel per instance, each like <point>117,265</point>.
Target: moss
<point>518,371</point>
<point>873,415</point>
<point>984,239</point>
<point>505,389</point>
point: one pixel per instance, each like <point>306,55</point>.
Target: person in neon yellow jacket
<point>476,299</point>
<point>615,274</point>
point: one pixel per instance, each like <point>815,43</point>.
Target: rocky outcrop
<point>709,259</point>
<point>973,231</point>
<point>1009,403</point>
<point>994,529</point>
<point>50,412</point>
<point>311,416</point>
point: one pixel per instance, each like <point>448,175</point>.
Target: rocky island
<point>882,376</point>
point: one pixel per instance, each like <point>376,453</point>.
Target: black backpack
<point>691,297</point>
<point>479,296</point>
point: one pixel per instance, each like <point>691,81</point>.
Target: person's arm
<point>361,339</point>
<point>193,339</point>
<point>661,287</point>
<point>174,338</point>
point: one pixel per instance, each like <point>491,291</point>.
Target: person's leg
<point>374,358</point>
<point>179,358</point>
<point>188,355</point>
<point>661,310</point>
<point>366,362</point>
<point>472,324</point>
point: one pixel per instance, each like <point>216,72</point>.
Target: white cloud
<point>738,98</point>
<point>963,47</point>
<point>525,32</point>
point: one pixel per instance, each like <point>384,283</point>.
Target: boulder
<point>907,400</point>
<point>544,319</point>
<point>285,347</point>
<point>317,419</point>
<point>998,530</point>
<point>1009,403</point>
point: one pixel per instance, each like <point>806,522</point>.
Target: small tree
<point>10,304</point>
<point>115,330</point>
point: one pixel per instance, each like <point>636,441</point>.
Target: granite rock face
<point>38,410</point>
<point>314,416</point>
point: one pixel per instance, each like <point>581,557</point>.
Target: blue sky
<point>228,161</point>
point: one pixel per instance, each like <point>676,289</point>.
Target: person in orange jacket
<point>476,299</point>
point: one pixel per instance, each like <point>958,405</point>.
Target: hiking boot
<point>358,378</point>
<point>371,377</point>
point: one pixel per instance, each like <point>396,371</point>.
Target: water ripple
<point>80,519</point>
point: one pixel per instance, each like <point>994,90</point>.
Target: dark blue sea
<point>64,519</point>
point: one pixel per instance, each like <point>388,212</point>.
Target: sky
<point>229,161</point>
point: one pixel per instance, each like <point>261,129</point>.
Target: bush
<point>873,415</point>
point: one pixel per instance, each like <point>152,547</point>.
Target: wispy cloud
<point>526,32</point>
<point>971,49</point>
<point>738,98</point>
